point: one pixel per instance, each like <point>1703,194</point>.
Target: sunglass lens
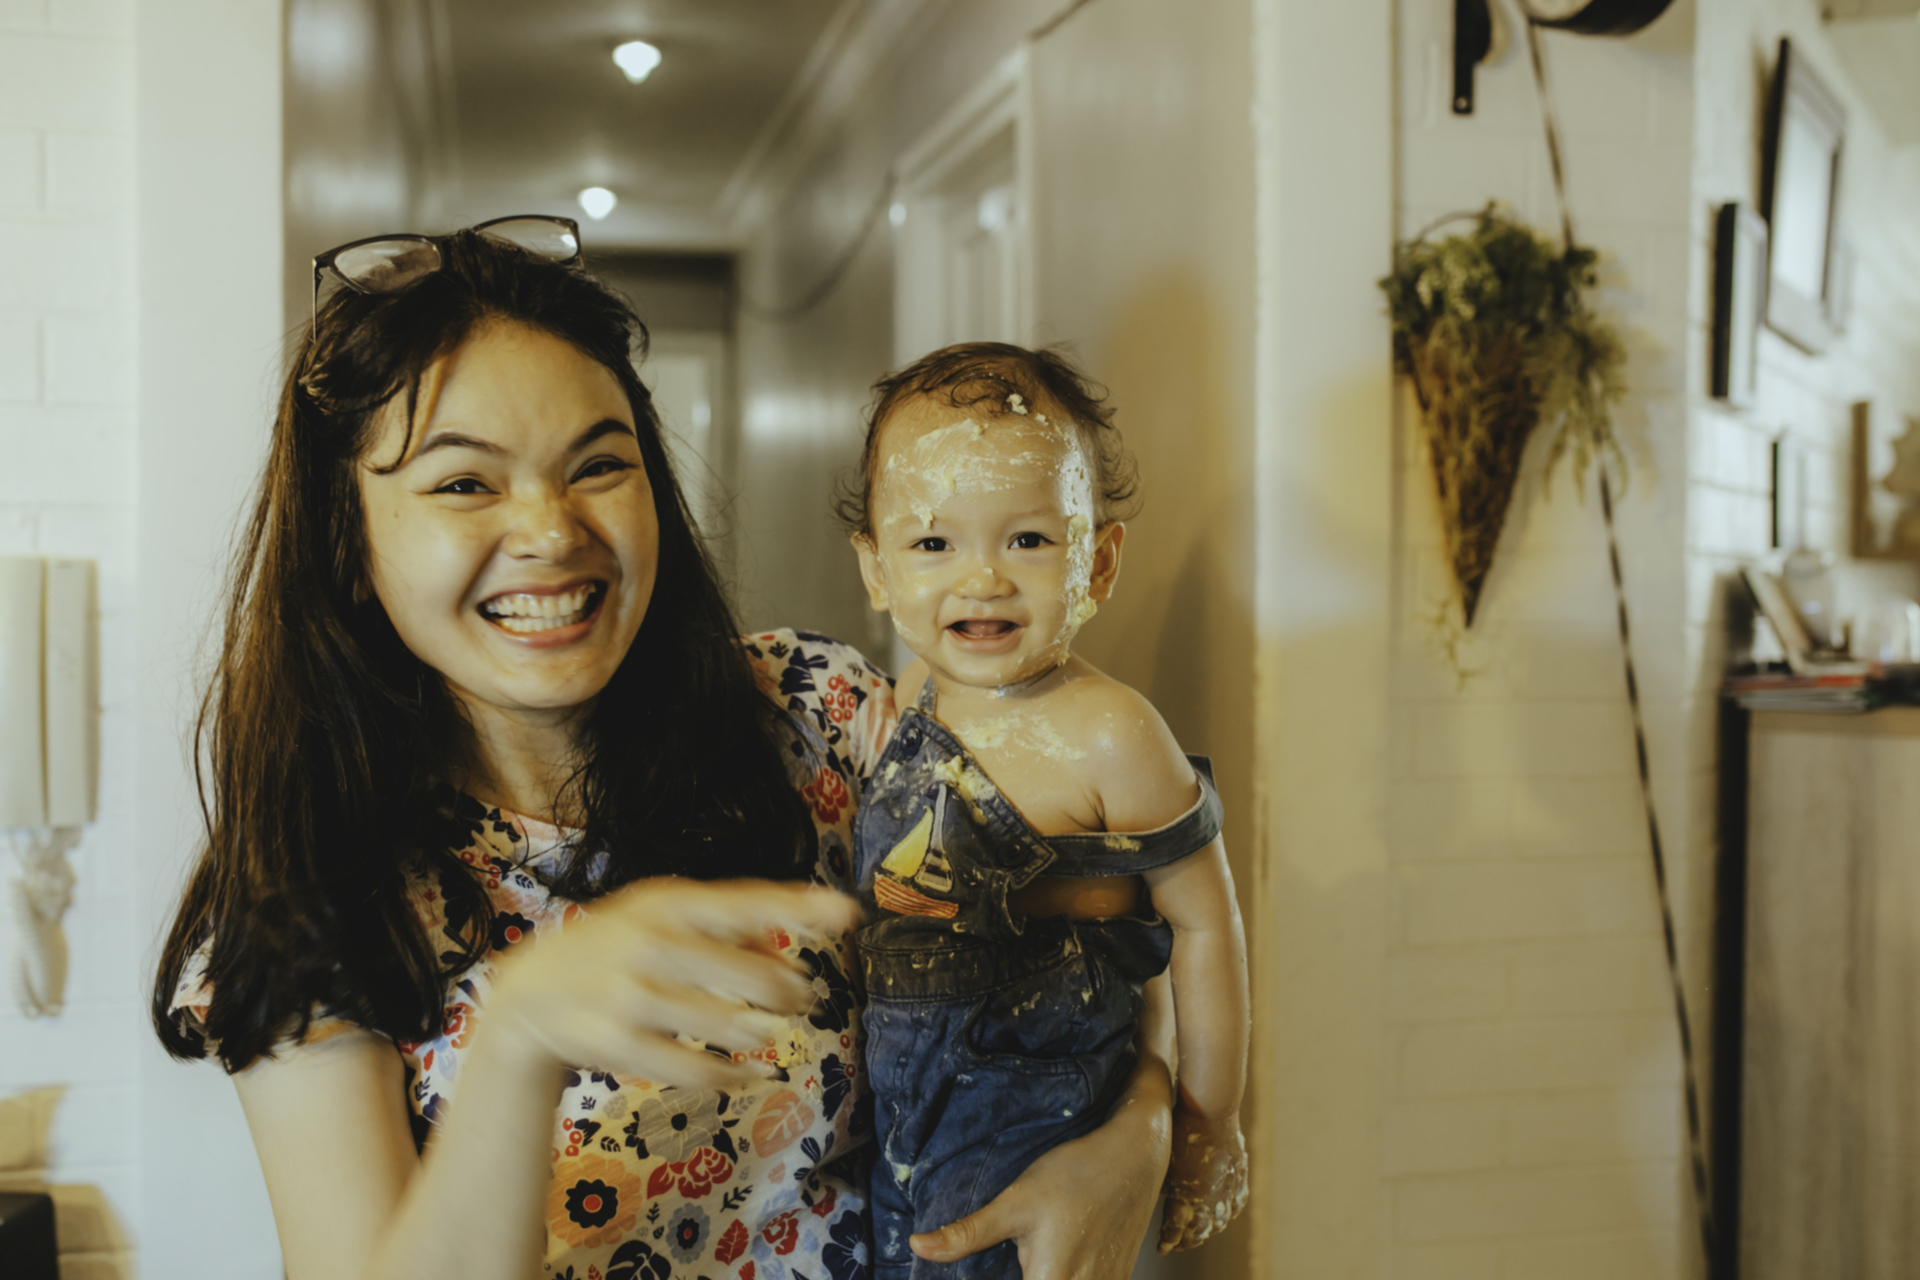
<point>387,265</point>
<point>542,237</point>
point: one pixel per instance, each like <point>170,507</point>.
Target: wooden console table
<point>1829,1085</point>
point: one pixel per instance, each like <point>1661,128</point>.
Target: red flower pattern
<point>459,1024</point>
<point>828,795</point>
<point>783,1233</point>
<point>705,1169</point>
<point>695,1176</point>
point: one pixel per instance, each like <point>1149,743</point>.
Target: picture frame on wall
<point>1739,302</point>
<point>1799,192</point>
<point>1777,607</point>
<point>1886,485</point>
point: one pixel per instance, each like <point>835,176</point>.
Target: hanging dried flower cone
<point>1478,416</point>
<point>1493,328</point>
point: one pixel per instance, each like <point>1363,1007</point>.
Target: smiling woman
<point>522,523</point>
<point>481,742</point>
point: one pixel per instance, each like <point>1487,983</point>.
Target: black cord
<point>1054,23</point>
<point>1553,134</point>
<point>836,270</point>
<point>1696,1145</point>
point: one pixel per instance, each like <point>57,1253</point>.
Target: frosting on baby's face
<point>983,543</point>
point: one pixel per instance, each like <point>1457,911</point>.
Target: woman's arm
<point>351,1199</point>
<point>654,960</point>
<point>1080,1211</point>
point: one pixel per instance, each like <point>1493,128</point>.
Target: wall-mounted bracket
<point>1473,30</point>
<point>1596,17</point>
<point>1472,41</point>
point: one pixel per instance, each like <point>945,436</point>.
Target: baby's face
<point>984,548</point>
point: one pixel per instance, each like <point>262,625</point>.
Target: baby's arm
<point>1207,1183</point>
<point>1148,782</point>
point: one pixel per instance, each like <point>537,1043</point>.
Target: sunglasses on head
<point>388,264</point>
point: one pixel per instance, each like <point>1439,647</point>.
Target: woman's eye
<point>930,544</point>
<point>465,486</point>
<point>603,467</point>
<point>1029,541</point>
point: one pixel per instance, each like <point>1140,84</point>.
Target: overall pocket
<point>1042,1023</point>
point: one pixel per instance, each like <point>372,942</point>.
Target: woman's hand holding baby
<point>655,960</point>
<point>1207,1180</point>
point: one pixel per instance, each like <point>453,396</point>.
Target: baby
<point>1034,845</point>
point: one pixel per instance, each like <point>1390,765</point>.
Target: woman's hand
<point>657,959</point>
<point>1207,1185</point>
<point>1080,1211</point>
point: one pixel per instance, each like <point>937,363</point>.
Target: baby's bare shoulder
<point>1132,762</point>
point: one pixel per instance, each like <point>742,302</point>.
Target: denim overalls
<point>990,1039</point>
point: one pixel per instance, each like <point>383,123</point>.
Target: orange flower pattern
<point>595,1202</point>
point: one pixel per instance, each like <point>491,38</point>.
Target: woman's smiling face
<point>515,544</point>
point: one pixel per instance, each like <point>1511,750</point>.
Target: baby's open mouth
<point>523,613</point>
<point>982,628</point>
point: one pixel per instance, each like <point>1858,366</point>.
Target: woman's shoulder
<point>797,659</point>
<point>837,698</point>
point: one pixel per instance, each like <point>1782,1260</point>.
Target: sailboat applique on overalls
<point>918,858</point>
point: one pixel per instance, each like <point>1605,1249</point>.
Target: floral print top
<point>652,1182</point>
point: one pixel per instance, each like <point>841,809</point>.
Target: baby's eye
<point>1029,541</point>
<point>930,544</point>
<point>603,467</point>
<point>465,486</point>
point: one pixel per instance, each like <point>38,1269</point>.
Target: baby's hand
<point>1206,1181</point>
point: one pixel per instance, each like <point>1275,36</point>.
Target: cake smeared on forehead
<point>997,379</point>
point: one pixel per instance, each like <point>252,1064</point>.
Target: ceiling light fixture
<point>636,59</point>
<point>598,202</point>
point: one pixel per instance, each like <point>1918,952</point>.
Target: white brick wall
<point>1534,1124</point>
<point>66,488</point>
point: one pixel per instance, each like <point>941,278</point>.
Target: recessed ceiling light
<point>637,59</point>
<point>598,202</point>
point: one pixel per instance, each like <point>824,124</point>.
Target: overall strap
<point>925,700</point>
<point>1093,854</point>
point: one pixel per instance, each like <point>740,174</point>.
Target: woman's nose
<point>546,528</point>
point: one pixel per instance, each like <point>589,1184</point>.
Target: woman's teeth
<point>525,614</point>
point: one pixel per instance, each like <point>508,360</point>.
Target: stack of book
<point>1849,688</point>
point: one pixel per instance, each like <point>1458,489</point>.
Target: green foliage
<point>1494,330</point>
<point>1451,299</point>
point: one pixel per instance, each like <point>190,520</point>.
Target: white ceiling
<point>534,108</point>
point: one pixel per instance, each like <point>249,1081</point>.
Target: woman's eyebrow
<point>454,440</point>
<point>604,427</point>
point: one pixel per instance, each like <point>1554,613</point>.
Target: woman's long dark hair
<point>322,740</point>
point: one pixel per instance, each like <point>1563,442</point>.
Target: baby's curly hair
<point>992,373</point>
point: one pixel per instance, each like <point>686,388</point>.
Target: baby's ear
<point>870,572</point>
<point>1106,560</point>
